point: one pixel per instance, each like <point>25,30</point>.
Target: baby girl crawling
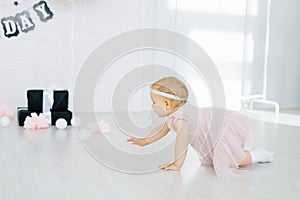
<point>220,145</point>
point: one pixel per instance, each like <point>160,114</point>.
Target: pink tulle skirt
<point>228,150</point>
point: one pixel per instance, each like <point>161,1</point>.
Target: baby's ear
<point>168,103</point>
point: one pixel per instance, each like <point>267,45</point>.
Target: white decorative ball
<point>61,124</point>
<point>76,121</point>
<point>4,121</point>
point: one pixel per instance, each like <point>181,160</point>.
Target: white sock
<point>260,155</point>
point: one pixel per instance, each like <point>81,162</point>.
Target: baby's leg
<point>247,160</point>
<point>258,155</point>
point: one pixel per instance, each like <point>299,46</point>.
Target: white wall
<point>52,54</point>
<point>94,23</point>
<point>37,59</point>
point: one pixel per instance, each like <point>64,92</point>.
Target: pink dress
<point>218,135</point>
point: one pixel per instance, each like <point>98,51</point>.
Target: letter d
<point>10,27</point>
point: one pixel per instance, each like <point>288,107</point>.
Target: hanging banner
<point>22,22</point>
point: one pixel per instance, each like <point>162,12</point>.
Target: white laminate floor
<point>57,165</point>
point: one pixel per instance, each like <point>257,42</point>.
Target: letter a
<point>25,22</point>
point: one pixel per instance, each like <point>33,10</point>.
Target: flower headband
<point>163,94</point>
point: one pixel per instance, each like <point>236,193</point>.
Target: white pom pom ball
<point>61,124</point>
<point>4,121</point>
<point>76,121</point>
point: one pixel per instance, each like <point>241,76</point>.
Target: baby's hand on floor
<point>138,141</point>
<point>171,166</point>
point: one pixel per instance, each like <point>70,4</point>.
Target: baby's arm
<point>181,127</point>
<point>153,136</point>
<point>157,133</point>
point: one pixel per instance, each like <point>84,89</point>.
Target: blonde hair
<point>172,85</point>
